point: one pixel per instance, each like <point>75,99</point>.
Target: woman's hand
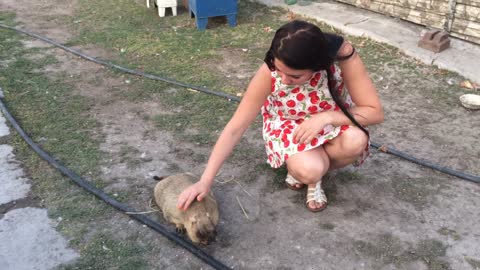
<point>196,191</point>
<point>309,128</point>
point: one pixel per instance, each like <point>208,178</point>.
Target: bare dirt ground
<point>394,215</point>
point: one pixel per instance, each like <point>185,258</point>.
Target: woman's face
<point>292,76</point>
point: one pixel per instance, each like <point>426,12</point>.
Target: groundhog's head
<point>200,228</point>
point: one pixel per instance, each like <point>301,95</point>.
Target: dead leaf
<point>291,16</point>
<point>267,29</point>
<point>467,84</point>
<point>383,148</point>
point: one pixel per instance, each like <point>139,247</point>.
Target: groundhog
<point>199,220</point>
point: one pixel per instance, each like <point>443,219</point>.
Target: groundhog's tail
<point>158,178</point>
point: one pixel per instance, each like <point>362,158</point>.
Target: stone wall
<point>461,18</point>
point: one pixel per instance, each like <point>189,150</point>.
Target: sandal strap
<point>292,181</point>
<point>316,194</point>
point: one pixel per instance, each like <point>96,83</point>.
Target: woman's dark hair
<point>302,45</point>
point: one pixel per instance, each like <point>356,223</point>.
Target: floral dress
<point>289,105</point>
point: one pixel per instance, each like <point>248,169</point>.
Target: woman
<point>310,120</point>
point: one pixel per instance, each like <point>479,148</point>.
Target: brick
<point>435,41</point>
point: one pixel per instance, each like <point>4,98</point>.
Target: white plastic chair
<point>164,4</point>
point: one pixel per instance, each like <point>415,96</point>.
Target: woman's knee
<point>353,141</point>
<point>308,172</point>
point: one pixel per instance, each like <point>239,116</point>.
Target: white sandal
<point>317,195</point>
<point>292,183</point>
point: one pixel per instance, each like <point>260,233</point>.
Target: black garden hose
<point>140,217</point>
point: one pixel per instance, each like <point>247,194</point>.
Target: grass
<point>55,118</point>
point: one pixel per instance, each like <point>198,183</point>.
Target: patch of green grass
<point>449,232</point>
<point>348,177</point>
<point>104,251</point>
<point>415,191</point>
<point>388,249</point>
<point>172,46</point>
<point>58,121</point>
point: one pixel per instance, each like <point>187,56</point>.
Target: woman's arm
<point>368,109</point>
<point>255,96</point>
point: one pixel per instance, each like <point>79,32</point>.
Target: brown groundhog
<point>199,220</point>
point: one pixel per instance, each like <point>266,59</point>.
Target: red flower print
<point>325,141</point>
<point>344,127</point>
<point>273,84</point>
<point>311,94</point>
<point>314,99</point>
<point>286,143</point>
<point>291,103</point>
<point>288,122</point>
<point>317,76</point>
<point>301,147</point>
<point>278,103</point>
<point>321,132</point>
<point>270,157</point>
<point>332,68</point>
<point>313,82</point>
<point>285,157</point>
<point>277,133</point>
<point>296,90</point>
<point>287,131</point>
<point>266,103</point>
<point>323,104</point>
<point>336,108</point>
<point>299,121</point>
<point>292,112</point>
<point>290,126</point>
<point>280,113</point>
<point>314,142</point>
<point>312,109</point>
<point>327,107</point>
<point>340,88</point>
<point>300,97</point>
<point>346,105</point>
<point>301,114</point>
<point>281,94</point>
<point>283,125</point>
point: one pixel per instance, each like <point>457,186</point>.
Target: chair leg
<point>174,11</point>
<point>161,12</point>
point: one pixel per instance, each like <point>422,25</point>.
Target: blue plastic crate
<point>203,9</point>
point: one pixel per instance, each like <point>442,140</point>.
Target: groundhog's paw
<point>180,229</point>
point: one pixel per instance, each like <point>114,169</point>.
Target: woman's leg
<point>309,167</point>
<point>346,148</point>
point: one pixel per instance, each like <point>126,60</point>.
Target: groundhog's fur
<point>199,220</point>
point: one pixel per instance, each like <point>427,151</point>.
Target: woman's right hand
<point>196,191</point>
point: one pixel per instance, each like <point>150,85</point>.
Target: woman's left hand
<point>309,128</point>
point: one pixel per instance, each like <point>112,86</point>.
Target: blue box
<point>203,9</point>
